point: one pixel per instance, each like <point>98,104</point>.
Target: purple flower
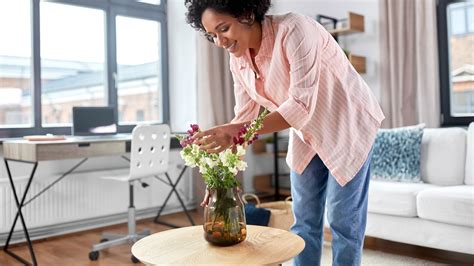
<point>195,127</point>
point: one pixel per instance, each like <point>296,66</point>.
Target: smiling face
<point>231,34</point>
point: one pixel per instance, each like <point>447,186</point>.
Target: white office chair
<point>149,156</point>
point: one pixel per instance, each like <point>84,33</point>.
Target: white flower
<point>202,169</point>
<point>234,170</point>
<point>240,150</point>
<point>226,157</point>
<point>241,165</point>
<point>211,163</point>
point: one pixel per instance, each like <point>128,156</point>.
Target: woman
<point>292,66</point>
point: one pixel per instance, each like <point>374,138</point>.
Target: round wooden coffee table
<point>186,246</point>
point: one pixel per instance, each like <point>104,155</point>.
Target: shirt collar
<point>266,46</point>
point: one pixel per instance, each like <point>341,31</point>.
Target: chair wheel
<point>104,240</point>
<point>134,260</point>
<point>94,255</point>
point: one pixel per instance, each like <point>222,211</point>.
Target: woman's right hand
<point>218,138</point>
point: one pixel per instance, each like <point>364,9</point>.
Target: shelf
<point>281,154</point>
<point>263,186</point>
<point>267,185</point>
<point>270,192</point>
<point>258,148</point>
<point>358,62</point>
<point>355,23</point>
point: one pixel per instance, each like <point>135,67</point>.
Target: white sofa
<point>438,213</point>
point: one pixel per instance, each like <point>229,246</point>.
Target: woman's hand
<point>218,138</point>
<point>207,196</point>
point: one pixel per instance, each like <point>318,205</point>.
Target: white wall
<point>364,44</point>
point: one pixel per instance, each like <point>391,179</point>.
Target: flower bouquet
<point>224,217</point>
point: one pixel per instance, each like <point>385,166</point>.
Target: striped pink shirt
<point>307,78</point>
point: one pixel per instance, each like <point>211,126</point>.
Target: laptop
<point>94,122</point>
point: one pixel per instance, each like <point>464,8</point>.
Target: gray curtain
<point>214,85</point>
<point>409,63</point>
<point>215,97</point>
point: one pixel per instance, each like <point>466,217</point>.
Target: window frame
<point>111,9</point>
<point>444,68</point>
<point>466,23</point>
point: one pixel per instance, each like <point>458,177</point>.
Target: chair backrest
<point>150,150</point>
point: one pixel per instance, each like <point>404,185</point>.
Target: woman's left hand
<point>218,138</point>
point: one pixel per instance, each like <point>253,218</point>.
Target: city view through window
<point>461,54</point>
<point>73,64</point>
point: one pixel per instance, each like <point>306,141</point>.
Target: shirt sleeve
<point>245,108</point>
<point>301,45</point>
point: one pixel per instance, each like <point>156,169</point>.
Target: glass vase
<point>224,218</point>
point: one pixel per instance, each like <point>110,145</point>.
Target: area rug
<point>374,257</point>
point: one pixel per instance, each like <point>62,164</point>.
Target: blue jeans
<point>347,213</point>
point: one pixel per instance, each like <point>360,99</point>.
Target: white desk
<point>32,152</point>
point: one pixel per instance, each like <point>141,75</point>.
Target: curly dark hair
<point>235,8</point>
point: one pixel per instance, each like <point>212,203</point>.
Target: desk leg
<point>173,189</point>
<point>19,213</point>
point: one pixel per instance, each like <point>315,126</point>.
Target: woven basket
<point>281,211</point>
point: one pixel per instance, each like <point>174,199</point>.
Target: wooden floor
<point>73,249</point>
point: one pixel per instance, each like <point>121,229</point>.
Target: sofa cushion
<point>469,179</point>
<point>396,155</point>
<point>443,156</point>
<point>453,205</point>
<point>395,198</point>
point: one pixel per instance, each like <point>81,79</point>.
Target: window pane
<point>15,64</point>
<point>461,69</point>
<point>458,21</point>
<point>72,60</point>
<point>139,70</point>
<point>470,18</point>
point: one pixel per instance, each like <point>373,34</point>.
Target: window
<point>15,64</point>
<point>139,69</point>
<point>456,57</point>
<point>64,53</point>
<point>461,18</point>
<point>72,61</point>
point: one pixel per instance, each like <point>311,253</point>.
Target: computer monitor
<point>92,121</point>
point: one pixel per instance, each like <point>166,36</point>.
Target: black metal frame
<point>173,190</point>
<point>275,166</point>
<point>319,18</point>
<point>110,8</point>
<point>444,68</point>
<point>22,204</point>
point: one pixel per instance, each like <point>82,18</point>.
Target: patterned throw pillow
<point>396,154</point>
